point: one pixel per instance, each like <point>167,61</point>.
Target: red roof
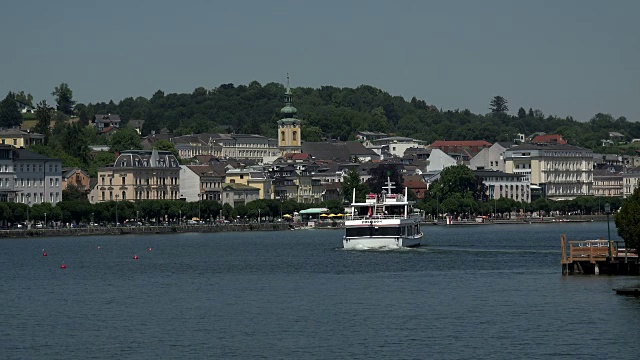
<point>469,143</point>
<point>415,184</point>
<point>549,139</point>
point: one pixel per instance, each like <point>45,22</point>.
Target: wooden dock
<point>597,257</point>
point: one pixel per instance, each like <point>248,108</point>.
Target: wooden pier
<point>597,257</point>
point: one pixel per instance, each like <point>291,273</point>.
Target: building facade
<point>38,179</point>
<point>608,182</point>
<point>239,194</point>
<point>139,175</point>
<point>503,185</point>
<point>200,182</point>
<point>7,175</point>
<point>558,172</point>
<point>19,138</point>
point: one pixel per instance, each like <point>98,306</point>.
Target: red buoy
<point>63,266</point>
<point>44,253</point>
<point>135,257</point>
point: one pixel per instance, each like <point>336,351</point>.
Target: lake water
<point>485,292</point>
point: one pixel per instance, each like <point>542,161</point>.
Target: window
<point>282,136</point>
<point>295,136</point>
<point>123,180</point>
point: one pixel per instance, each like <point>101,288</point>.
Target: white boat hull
<point>380,242</point>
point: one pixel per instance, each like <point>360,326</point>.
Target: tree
<point>26,99</point>
<point>352,181</point>
<point>166,145</point>
<point>125,139</point>
<point>380,176</point>
<point>628,221</point>
<point>498,105</point>
<point>457,179</point>
<point>43,126</point>
<point>73,193</point>
<point>9,112</point>
<point>522,113</point>
<point>64,98</point>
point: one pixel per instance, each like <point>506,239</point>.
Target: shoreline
<point>126,230</point>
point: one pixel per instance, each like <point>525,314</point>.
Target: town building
<point>139,175</point>
<point>8,192</point>
<point>631,181</point>
<point>254,176</point>
<point>499,184</point>
<point>20,138</point>
<point>102,121</point>
<point>76,177</point>
<point>491,158</point>
<point>608,181</point>
<point>239,194</point>
<point>200,182</point>
<point>38,178</point>
<point>555,171</point>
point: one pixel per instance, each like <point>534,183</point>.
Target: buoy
<point>44,253</point>
<point>150,249</point>
<point>135,257</point>
<point>63,266</point>
<point>99,248</point>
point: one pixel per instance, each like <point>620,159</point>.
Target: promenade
<point>123,230</point>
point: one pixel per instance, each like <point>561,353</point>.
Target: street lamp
<point>116,209</point>
<point>607,209</point>
<point>199,195</point>
<point>258,216</point>
<point>92,219</point>
<point>45,220</point>
<point>28,206</point>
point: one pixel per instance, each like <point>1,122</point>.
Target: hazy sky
<point>563,57</point>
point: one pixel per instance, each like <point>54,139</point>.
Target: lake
<point>488,291</point>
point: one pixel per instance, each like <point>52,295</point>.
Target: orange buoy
<point>135,257</point>
<point>63,266</point>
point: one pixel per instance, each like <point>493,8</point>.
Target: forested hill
<point>340,112</point>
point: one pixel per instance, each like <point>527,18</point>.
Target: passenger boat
<point>384,220</point>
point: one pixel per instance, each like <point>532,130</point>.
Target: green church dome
<point>288,109</point>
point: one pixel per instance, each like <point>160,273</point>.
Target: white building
<point>502,185</point>
<point>439,160</point>
<point>490,158</point>
<point>38,179</point>
<point>558,171</point>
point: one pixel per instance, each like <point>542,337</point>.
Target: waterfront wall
<point>90,231</point>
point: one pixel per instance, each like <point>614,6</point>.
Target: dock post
<point>563,250</point>
<point>596,269</point>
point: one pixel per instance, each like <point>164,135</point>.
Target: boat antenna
<point>390,185</point>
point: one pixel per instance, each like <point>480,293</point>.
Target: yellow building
<point>256,178</point>
<point>289,129</point>
<point>19,138</point>
<point>139,175</point>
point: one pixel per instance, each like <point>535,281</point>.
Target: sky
<point>564,57</point>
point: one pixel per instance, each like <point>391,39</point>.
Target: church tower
<point>289,129</point>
